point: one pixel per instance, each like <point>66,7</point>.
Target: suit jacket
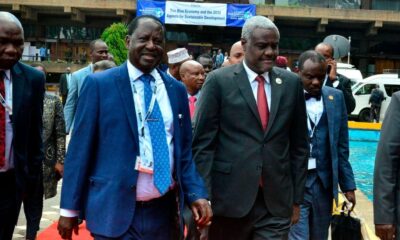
<point>63,85</point>
<point>77,79</point>
<point>387,169</point>
<point>341,172</point>
<point>28,93</point>
<point>99,167</point>
<point>54,142</point>
<point>232,152</point>
<point>345,87</point>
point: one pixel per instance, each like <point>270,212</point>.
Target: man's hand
<point>332,72</point>
<point>66,225</point>
<point>351,196</point>
<point>59,168</point>
<point>296,214</point>
<point>202,213</point>
<point>385,231</point>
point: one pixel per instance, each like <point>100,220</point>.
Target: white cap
<point>178,55</point>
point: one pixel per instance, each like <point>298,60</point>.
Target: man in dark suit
<point>328,164</point>
<point>131,148</point>
<point>65,80</point>
<point>21,153</point>
<point>250,141</point>
<point>387,175</point>
<point>334,79</point>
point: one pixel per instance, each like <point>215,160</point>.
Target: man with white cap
<point>175,59</point>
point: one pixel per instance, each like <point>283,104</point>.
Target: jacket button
<point>133,187</point>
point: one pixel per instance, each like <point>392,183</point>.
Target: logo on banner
<point>157,12</point>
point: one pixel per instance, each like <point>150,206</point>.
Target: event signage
<point>194,13</point>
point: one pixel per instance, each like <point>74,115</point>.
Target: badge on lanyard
<point>144,165</point>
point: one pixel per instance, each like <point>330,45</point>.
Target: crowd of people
<point>230,146</point>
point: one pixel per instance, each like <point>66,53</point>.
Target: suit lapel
<point>329,105</point>
<point>18,81</point>
<point>123,83</point>
<point>245,88</point>
<point>276,95</point>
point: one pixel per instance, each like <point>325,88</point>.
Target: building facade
<point>65,28</point>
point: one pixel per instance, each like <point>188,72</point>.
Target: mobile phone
<point>328,69</point>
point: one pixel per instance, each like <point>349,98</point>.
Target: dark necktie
<point>262,102</point>
<point>2,123</point>
<point>155,122</point>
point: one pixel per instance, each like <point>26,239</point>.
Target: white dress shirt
<point>315,109</point>
<point>145,189</point>
<point>251,75</point>
<point>9,164</point>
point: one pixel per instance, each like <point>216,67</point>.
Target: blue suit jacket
<point>99,167</point>
<point>335,108</point>
<point>73,94</point>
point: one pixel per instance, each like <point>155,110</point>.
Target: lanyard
<point>138,106</point>
<point>311,130</point>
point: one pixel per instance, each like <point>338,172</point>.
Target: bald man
<point>192,75</point>
<point>236,54</point>
<point>21,152</point>
<point>334,79</point>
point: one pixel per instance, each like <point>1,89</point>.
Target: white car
<point>388,83</point>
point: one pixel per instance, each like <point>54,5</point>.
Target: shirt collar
<point>7,73</point>
<point>135,73</point>
<point>252,75</point>
<point>196,95</point>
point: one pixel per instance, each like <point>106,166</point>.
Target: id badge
<point>143,165</point>
<point>312,163</point>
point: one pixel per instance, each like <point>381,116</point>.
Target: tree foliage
<point>114,36</point>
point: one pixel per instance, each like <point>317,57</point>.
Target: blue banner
<point>195,13</point>
<point>155,8</point>
<point>237,14</point>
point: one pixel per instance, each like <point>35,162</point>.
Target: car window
<point>366,89</point>
<point>391,88</point>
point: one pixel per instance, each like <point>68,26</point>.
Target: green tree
<point>114,36</point>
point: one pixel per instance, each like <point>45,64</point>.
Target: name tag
<point>144,165</point>
<point>312,163</point>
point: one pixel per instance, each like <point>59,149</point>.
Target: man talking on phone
<point>334,79</point>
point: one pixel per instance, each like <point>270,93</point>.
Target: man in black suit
<point>387,175</point>
<point>334,79</point>
<point>250,141</point>
<point>65,79</point>
<point>21,153</point>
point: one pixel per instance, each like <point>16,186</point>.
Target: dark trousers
<point>315,211</point>
<point>9,204</point>
<point>375,113</point>
<point>33,207</point>
<point>153,220</point>
<point>257,224</point>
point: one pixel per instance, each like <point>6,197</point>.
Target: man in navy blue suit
<point>328,163</point>
<point>130,156</point>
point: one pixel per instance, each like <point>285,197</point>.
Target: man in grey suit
<point>98,52</point>
<point>250,141</point>
<point>387,174</point>
<point>328,164</point>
